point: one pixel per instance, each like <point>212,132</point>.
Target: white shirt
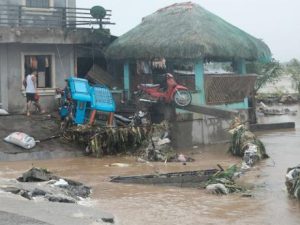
<point>30,85</point>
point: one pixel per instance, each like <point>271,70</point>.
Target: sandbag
<point>3,112</point>
<point>21,139</point>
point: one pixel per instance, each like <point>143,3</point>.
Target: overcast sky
<point>277,22</point>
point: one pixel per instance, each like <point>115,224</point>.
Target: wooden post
<point>92,117</point>
<point>110,120</point>
<point>199,82</point>
<point>127,80</point>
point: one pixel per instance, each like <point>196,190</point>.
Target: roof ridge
<point>188,5</point>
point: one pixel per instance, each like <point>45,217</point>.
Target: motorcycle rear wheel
<point>182,98</point>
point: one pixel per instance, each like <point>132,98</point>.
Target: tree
<point>293,69</point>
<point>266,72</point>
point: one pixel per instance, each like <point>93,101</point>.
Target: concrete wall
<point>32,18</point>
<point>12,95</point>
<point>56,3</point>
<point>3,76</point>
<point>208,130</point>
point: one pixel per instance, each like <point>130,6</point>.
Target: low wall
<point>192,130</point>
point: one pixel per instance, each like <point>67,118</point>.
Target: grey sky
<point>277,22</point>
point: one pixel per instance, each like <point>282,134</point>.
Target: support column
<point>199,82</point>
<point>240,68</point>
<point>126,80</point>
<point>4,76</point>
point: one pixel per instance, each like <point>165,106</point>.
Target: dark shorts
<point>30,97</point>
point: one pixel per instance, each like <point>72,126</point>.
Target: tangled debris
<point>159,148</point>
<point>113,140</point>
<point>222,182</point>
<point>38,182</point>
<point>149,142</point>
<point>269,111</point>
<point>245,144</point>
<point>293,182</point>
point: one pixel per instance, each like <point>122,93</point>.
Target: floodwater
<point>140,204</point>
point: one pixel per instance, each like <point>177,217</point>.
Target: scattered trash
<point>217,189</point>
<point>293,182</point>
<point>3,112</point>
<point>21,139</point>
<point>118,165</point>
<point>61,182</point>
<point>140,160</point>
<point>163,141</point>
<point>181,158</point>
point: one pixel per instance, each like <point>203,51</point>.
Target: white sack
<point>20,139</point>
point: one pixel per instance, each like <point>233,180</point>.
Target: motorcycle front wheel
<point>182,98</point>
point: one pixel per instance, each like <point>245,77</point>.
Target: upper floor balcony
<point>50,17</point>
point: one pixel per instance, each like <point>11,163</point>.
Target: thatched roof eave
<point>187,31</point>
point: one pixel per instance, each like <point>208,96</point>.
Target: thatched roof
<point>187,31</point>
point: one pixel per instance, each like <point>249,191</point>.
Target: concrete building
<point>52,36</point>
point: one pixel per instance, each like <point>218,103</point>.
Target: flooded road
<point>138,204</point>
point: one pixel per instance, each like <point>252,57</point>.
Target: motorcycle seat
<point>150,85</point>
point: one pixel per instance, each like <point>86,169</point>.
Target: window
<point>43,65</point>
<point>38,3</point>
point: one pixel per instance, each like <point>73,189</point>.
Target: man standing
<point>31,92</point>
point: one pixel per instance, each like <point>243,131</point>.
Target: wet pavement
<point>141,204</point>
<point>40,127</point>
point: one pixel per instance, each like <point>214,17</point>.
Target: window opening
<point>42,64</point>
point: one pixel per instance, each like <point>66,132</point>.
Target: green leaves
<point>293,69</point>
<point>266,72</point>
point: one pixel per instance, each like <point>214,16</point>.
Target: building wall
<point>12,95</point>
<point>208,130</point>
<point>3,76</point>
<point>51,18</point>
<point>56,3</point>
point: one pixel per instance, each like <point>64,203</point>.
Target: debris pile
<point>293,182</point>
<point>269,111</point>
<point>245,144</point>
<point>40,183</point>
<point>112,140</point>
<point>223,182</point>
<point>159,148</point>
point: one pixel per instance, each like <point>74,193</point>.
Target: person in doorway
<point>31,93</point>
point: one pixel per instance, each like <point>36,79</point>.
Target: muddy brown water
<point>140,204</point>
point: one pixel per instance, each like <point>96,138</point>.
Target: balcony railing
<point>52,17</point>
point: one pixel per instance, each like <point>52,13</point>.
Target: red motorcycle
<point>173,93</point>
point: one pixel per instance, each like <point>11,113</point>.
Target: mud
<point>40,127</point>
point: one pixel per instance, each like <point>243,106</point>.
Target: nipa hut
<point>182,39</point>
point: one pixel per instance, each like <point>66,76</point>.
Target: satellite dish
<point>98,12</point>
